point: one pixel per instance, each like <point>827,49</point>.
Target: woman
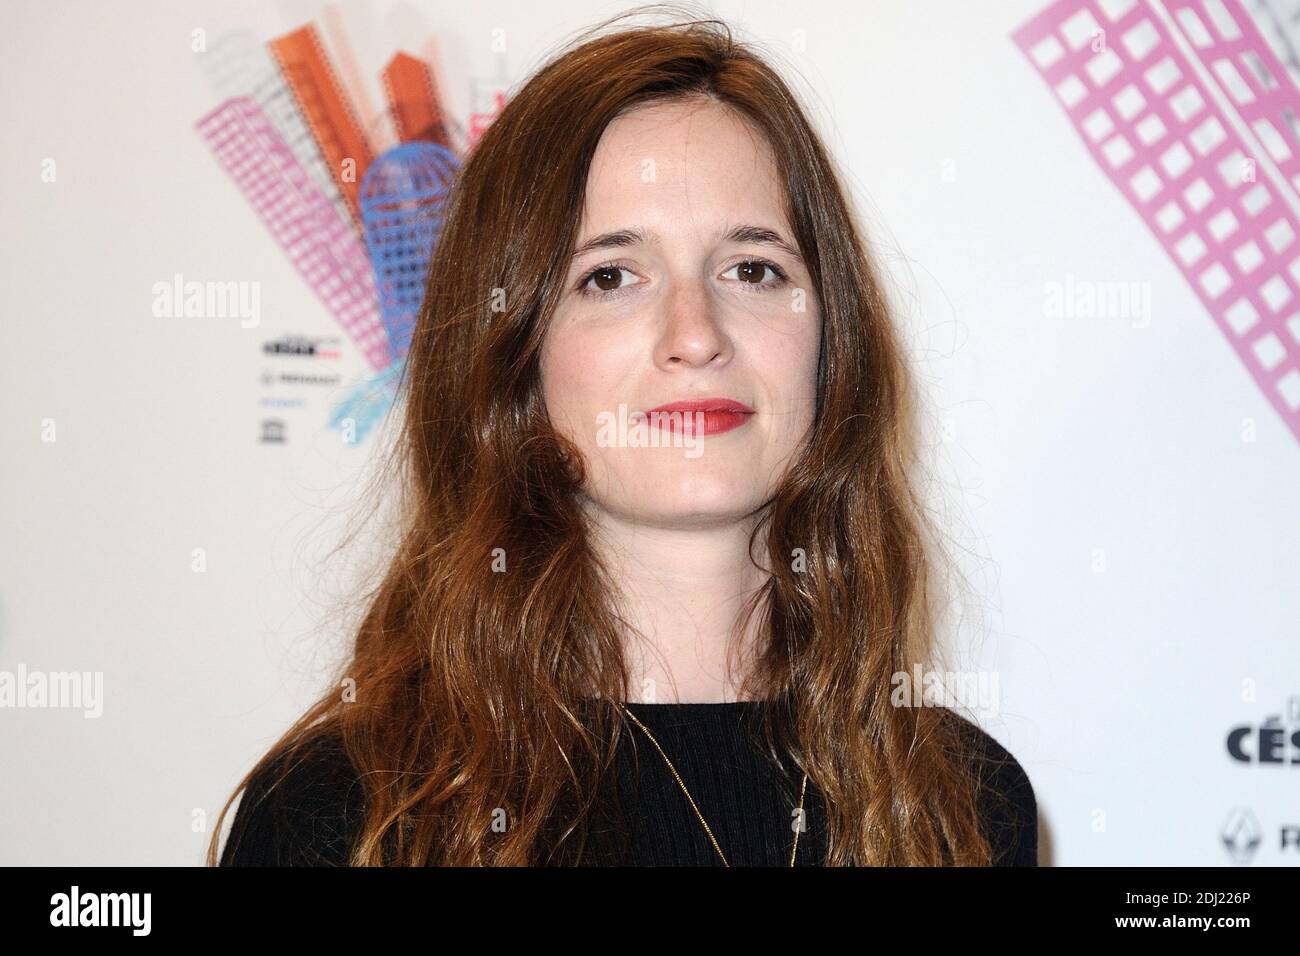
<point>609,637</point>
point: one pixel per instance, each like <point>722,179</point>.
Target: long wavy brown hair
<point>467,692</point>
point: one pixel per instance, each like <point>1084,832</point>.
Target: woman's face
<point>687,285</point>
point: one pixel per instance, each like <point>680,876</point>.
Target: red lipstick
<point>719,415</point>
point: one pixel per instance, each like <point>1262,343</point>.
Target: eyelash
<point>781,278</point>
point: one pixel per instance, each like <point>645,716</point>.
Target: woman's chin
<point>695,503</point>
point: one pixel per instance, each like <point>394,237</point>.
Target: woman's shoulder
<point>1008,806</point>
<point>299,809</point>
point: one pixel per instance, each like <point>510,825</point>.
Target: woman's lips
<point>717,415</point>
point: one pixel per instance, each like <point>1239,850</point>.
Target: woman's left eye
<point>751,268</point>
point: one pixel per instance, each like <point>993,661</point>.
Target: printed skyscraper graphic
<point>321,243</point>
<point>237,65</point>
<point>301,144</point>
<point>402,200</point>
<point>1186,107</point>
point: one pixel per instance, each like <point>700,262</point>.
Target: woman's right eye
<point>607,278</point>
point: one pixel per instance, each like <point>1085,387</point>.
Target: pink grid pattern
<point>1228,42</point>
<point>320,243</point>
<point>1155,129</point>
<point>237,65</point>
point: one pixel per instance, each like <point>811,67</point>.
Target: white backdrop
<point>1133,544</point>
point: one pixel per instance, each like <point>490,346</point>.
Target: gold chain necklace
<point>676,776</point>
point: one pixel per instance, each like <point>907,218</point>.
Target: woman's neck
<point>681,590</point>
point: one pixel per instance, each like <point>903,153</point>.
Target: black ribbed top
<point>746,799</point>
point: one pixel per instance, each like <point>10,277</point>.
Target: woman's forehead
<point>666,143</point>
<point>685,171</point>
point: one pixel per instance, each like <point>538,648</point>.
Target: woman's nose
<point>692,331</point>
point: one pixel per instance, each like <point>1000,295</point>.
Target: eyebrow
<point>757,235</point>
